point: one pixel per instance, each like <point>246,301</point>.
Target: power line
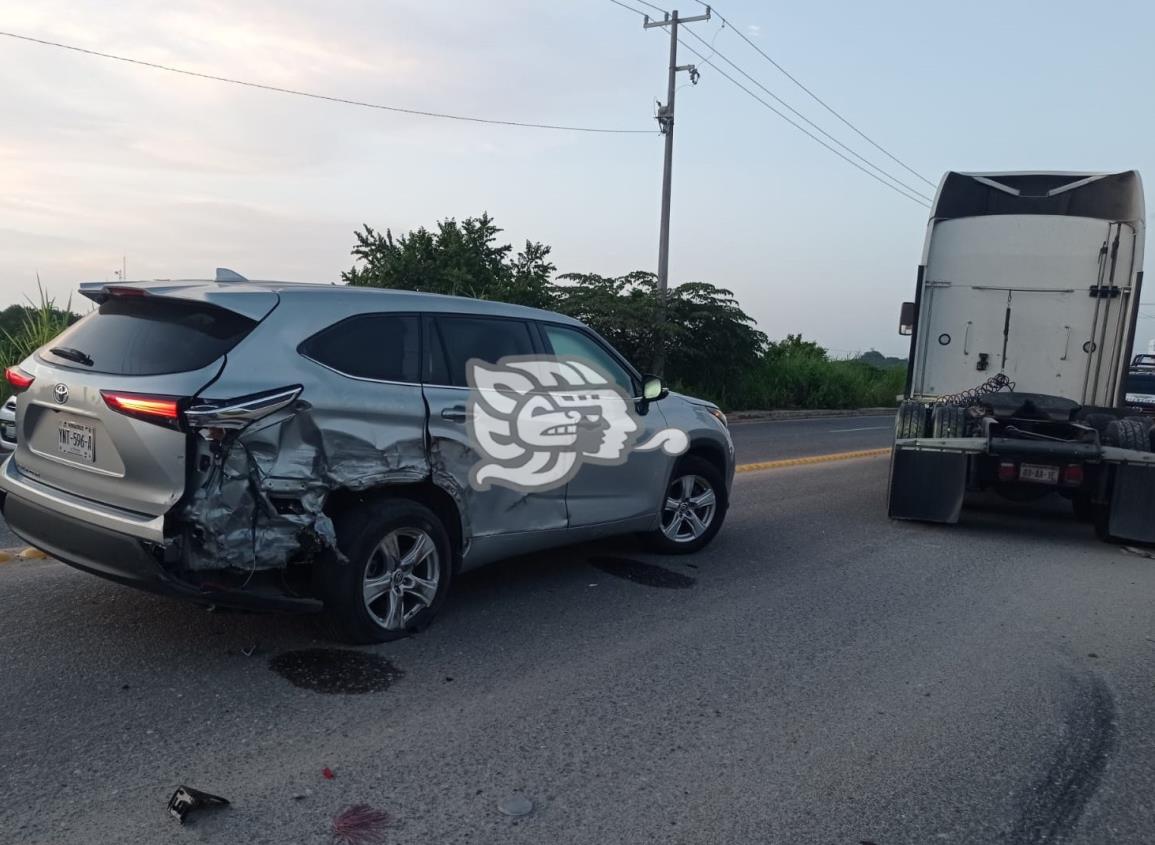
<point>652,6</point>
<point>819,100</point>
<point>916,198</point>
<point>913,195</point>
<point>313,96</point>
<point>629,8</point>
<point>809,122</point>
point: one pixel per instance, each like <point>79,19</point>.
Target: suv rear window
<point>383,347</point>
<point>148,336</point>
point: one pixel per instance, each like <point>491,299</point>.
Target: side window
<point>570,343</point>
<point>486,338</point>
<point>375,346</point>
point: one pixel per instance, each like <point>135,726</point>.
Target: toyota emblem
<point>60,393</point>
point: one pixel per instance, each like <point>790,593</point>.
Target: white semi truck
<point>1021,331</point>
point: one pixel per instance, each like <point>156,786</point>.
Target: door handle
<point>455,414</point>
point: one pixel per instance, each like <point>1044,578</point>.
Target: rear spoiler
<point>229,291</point>
<point>100,291</point>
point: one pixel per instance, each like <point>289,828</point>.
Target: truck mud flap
<point>927,485</point>
<point>1132,513</point>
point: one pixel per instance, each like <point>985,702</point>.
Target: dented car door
<point>498,514</point>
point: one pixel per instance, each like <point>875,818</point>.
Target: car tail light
<point>162,410</point>
<point>216,415</point>
<point>1008,471</point>
<point>1073,475</point>
<point>18,378</point>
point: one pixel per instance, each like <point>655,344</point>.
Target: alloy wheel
<point>401,577</point>
<point>690,506</point>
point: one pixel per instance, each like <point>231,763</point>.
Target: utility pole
<point>666,125</point>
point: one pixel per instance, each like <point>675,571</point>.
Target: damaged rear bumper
<point>124,558</point>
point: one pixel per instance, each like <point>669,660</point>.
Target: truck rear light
<point>162,410</point>
<point>1073,475</point>
<point>1008,471</point>
<point>19,379</point>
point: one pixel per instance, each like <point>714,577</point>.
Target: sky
<point>101,160</point>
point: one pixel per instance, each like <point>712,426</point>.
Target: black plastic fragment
<point>186,799</point>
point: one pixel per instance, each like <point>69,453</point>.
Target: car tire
<point>687,502</point>
<point>1127,434</point>
<point>399,550</point>
<point>910,422</point>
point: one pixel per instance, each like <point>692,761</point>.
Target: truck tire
<point>1127,434</point>
<point>948,421</point>
<point>910,421</point>
<point>1098,421</point>
<point>1146,422</point>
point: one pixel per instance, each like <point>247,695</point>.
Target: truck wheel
<point>1097,420</point>
<point>910,421</point>
<point>693,508</point>
<point>948,421</point>
<point>396,574</point>
<point>1127,434</point>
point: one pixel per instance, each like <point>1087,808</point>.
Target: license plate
<point>76,439</point>
<point>1040,474</point>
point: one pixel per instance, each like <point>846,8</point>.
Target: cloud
<point>753,30</point>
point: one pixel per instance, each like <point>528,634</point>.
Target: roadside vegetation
<point>710,345</point>
<point>25,328</point>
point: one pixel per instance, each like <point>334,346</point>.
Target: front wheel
<point>396,574</point>
<point>693,509</point>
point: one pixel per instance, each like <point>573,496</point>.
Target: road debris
<point>1147,553</point>
<point>32,554</point>
<point>515,805</point>
<point>327,773</point>
<point>186,799</point>
<point>360,824</point>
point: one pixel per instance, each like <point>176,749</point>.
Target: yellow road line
<point>812,459</point>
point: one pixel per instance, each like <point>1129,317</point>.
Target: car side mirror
<point>653,389</point>
<point>906,319</point>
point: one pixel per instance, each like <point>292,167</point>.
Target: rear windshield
<point>1141,383</point>
<point>148,336</point>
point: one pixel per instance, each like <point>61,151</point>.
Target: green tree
<point>793,346</point>
<point>709,342</point>
<point>462,259</point>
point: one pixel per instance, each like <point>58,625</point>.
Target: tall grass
<point>42,322</point>
<point>801,382</point>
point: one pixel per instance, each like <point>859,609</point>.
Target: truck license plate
<point>1040,474</point>
<point>76,439</point>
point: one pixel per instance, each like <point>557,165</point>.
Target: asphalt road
<point>753,442</point>
<point>819,675</point>
<point>758,441</point>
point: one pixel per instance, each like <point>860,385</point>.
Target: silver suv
<point>310,447</point>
